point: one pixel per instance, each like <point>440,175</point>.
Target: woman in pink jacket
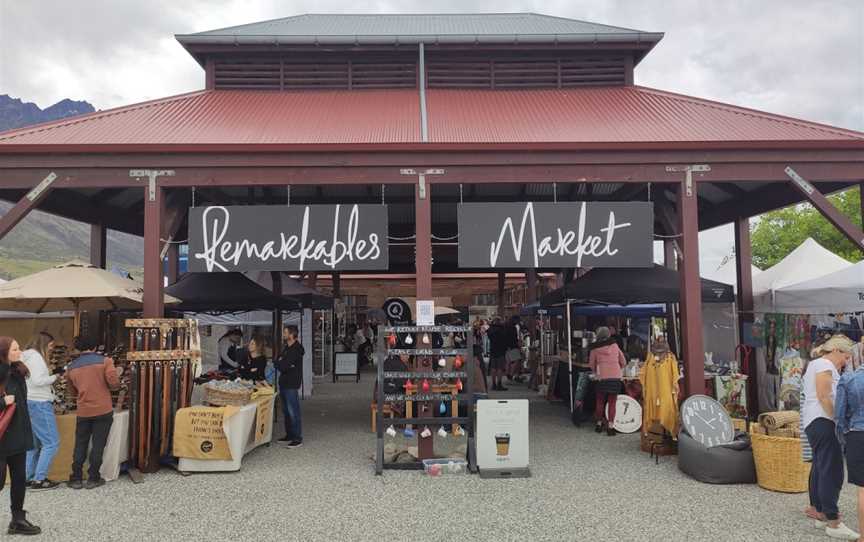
<point>606,360</point>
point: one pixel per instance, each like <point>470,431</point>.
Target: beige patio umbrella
<point>75,286</point>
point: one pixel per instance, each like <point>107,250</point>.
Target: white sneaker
<point>819,524</point>
<point>842,532</point>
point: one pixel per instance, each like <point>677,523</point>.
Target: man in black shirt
<point>290,365</point>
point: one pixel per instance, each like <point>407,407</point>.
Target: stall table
<point>240,432</point>
<point>116,449</point>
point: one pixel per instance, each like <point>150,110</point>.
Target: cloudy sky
<point>803,58</point>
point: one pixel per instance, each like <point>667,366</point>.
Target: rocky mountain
<point>15,113</point>
<point>42,240</point>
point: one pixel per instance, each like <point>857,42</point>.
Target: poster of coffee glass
<point>502,438</point>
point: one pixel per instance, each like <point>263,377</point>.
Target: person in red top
<point>92,377</point>
<point>607,361</point>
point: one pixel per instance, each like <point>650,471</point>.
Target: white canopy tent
<point>807,262</point>
<point>838,292</point>
<point>726,272</point>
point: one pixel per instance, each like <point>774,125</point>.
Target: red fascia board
<point>12,148</point>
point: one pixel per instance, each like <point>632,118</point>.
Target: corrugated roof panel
<point>242,117</point>
<point>597,116</point>
<point>479,24</point>
<point>606,115</point>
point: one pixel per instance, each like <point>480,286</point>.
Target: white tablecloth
<point>240,431</point>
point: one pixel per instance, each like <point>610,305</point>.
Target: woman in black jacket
<point>18,438</point>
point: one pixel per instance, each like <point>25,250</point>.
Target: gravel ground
<point>584,487</point>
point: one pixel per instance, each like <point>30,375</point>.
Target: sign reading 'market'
<point>288,238</point>
<point>572,234</point>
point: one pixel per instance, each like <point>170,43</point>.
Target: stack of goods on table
<point>164,355</point>
<point>234,392</point>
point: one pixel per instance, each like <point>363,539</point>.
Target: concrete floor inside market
<point>584,487</point>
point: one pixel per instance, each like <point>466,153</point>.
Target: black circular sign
<point>206,446</point>
<point>397,311</point>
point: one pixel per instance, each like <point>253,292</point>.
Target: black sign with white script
<point>288,238</point>
<point>571,234</point>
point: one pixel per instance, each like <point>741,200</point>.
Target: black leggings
<point>18,470</point>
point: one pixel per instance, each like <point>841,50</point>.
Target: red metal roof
<point>241,117</point>
<point>597,117</point>
<point>607,115</point>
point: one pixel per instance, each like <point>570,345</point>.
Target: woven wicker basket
<point>740,424</point>
<point>779,466</point>
<point>216,397</point>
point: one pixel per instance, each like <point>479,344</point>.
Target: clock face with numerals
<point>706,421</point>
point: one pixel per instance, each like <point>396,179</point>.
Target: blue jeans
<point>291,411</point>
<point>46,439</point>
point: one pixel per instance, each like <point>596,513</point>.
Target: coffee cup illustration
<point>502,443</point>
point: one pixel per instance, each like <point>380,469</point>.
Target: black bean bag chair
<point>728,464</point>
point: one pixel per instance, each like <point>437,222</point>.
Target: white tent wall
<point>838,292</point>
<point>248,322</point>
<point>807,262</point>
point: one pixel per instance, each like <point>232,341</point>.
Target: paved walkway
<point>585,487</point>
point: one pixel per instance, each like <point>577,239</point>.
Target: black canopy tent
<point>629,286</point>
<point>225,292</point>
<point>308,298</point>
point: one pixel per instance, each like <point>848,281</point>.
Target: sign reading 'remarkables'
<point>572,234</point>
<point>288,238</point>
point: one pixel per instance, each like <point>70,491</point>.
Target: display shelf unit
<point>421,363</point>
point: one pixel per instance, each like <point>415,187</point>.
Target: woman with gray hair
<point>817,414</point>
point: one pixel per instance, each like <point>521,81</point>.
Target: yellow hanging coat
<point>660,392</point>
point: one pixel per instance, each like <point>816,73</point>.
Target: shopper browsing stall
<point>290,366</point>
<point>826,474</point>
<point>18,437</point>
<point>849,417</point>
<point>607,361</point>
<point>92,377</point>
<point>40,404</point>
<point>497,353</point>
<point>229,344</point>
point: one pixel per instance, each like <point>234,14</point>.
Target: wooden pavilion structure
<point>421,112</point>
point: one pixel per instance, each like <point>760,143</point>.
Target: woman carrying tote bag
<point>17,439</point>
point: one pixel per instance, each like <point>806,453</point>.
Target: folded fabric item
<point>775,420</point>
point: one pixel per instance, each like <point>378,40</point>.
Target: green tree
<point>778,233</point>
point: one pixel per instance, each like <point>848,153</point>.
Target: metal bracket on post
<point>688,170</point>
<point>37,190</point>
<point>152,175</point>
<point>421,178</point>
<point>800,181</point>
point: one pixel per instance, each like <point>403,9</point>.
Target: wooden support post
<point>691,290</point>
<point>824,206</point>
<point>501,277</point>
<point>423,241</point>
<point>531,297</point>
<point>154,204</point>
<point>670,260</point>
<point>26,204</point>
<point>337,285</point>
<point>744,299</point>
<point>173,260</point>
<point>98,245</point>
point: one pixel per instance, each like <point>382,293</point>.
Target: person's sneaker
<point>611,432</point>
<point>93,484</point>
<point>43,485</point>
<point>22,526</point>
<point>841,532</point>
<point>75,484</point>
<point>294,444</point>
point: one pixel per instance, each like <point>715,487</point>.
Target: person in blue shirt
<point>849,417</point>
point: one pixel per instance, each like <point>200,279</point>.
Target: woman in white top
<point>817,416</point>
<point>40,403</point>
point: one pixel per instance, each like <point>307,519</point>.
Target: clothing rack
<point>163,354</point>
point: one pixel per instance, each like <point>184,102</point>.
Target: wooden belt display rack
<point>162,354</point>
<point>443,386</point>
